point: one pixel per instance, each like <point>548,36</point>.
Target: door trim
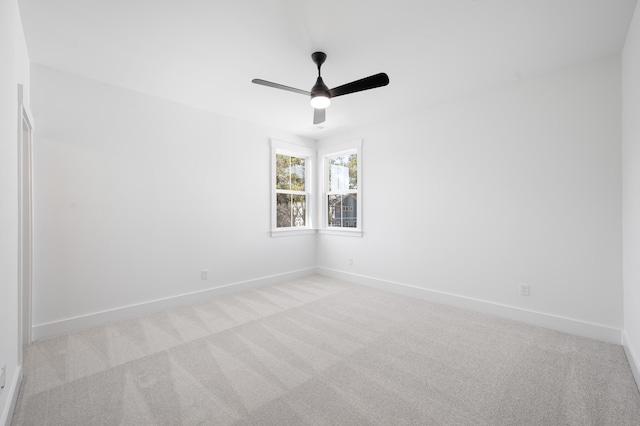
<point>25,223</point>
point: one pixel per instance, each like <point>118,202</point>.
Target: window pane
<point>291,210</point>
<point>343,172</point>
<point>343,210</point>
<point>290,172</point>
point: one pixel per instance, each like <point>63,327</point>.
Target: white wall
<point>631,191</point>
<point>519,185</point>
<point>14,70</point>
<point>135,195</point>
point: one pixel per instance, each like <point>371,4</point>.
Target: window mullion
<point>290,192</point>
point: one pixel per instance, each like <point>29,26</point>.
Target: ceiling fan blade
<point>371,82</point>
<point>280,86</point>
<point>319,116</point>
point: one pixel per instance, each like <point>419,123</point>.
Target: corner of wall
<point>630,87</point>
<point>632,358</point>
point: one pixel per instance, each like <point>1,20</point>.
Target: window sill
<point>292,232</point>
<point>311,231</point>
<point>343,232</point>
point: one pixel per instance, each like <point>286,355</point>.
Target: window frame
<point>308,154</point>
<point>324,155</point>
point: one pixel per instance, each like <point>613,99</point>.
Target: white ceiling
<point>204,53</point>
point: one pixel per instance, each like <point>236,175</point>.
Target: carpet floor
<point>318,351</point>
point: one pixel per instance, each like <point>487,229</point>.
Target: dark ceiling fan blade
<point>319,116</point>
<point>371,82</point>
<point>280,86</point>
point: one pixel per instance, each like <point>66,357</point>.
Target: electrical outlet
<point>524,289</point>
<point>3,375</point>
<point>350,260</point>
<point>204,274</point>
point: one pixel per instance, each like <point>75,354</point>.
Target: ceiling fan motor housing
<point>320,89</point>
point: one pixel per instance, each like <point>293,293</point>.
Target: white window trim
<point>323,155</point>
<point>281,147</point>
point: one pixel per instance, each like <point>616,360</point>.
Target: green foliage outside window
<point>291,203</point>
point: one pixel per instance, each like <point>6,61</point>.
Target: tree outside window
<point>291,196</point>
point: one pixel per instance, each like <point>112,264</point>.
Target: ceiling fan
<point>321,95</point>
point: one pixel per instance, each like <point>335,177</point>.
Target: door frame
<point>25,223</point>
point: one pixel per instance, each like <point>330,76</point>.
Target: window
<point>291,197</point>
<point>291,188</point>
<point>341,200</point>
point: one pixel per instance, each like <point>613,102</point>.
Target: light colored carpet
<point>319,351</point>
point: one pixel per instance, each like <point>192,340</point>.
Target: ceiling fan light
<point>320,102</point>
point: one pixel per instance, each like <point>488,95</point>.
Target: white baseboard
<point>12,398</point>
<point>69,325</point>
<point>567,325</point>
<point>632,357</point>
<point>554,322</point>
